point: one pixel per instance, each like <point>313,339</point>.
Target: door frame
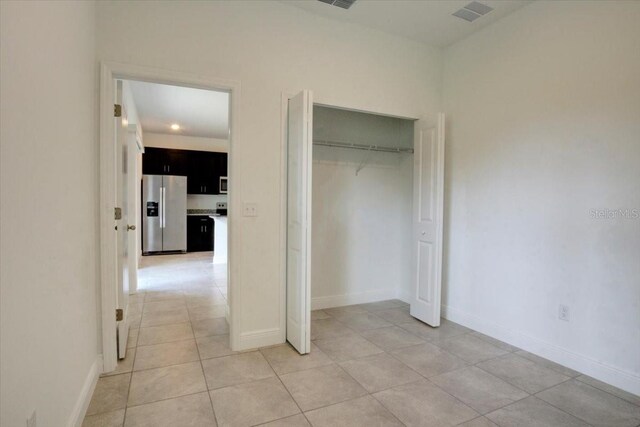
<point>109,71</point>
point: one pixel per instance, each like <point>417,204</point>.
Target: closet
<point>364,212</point>
<point>362,198</point>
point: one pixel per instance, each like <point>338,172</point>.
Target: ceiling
<point>199,112</point>
<point>424,21</point>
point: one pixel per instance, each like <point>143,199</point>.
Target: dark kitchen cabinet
<point>199,233</point>
<point>202,173</point>
<point>162,161</point>
<point>221,163</point>
<point>203,169</point>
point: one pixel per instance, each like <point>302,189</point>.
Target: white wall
<point>544,125</point>
<point>183,142</point>
<point>271,47</point>
<point>361,236</point>
<point>361,249</point>
<point>48,219</point>
<point>130,104</point>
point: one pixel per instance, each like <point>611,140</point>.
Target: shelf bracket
<point>364,161</point>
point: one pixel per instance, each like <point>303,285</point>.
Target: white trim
<point>108,72</point>
<point>82,404</point>
<point>330,301</point>
<point>581,363</point>
<point>137,130</point>
<point>259,338</point>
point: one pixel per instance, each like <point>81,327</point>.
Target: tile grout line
<point>554,406</point>
<point>372,394</point>
<point>604,391</point>
<point>423,377</point>
<point>206,383</point>
<point>286,389</point>
<point>126,405</point>
<point>184,297</point>
<point>197,349</point>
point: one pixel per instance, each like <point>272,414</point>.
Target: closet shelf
<point>338,144</point>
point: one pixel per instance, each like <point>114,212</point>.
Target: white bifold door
<point>428,202</point>
<point>298,270</point>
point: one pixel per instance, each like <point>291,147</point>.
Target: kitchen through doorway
<point>179,297</point>
<point>172,184</point>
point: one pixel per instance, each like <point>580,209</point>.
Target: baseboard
<point>578,362</point>
<point>319,303</point>
<point>260,338</point>
<point>274,336</point>
<point>403,296</point>
<point>82,404</point>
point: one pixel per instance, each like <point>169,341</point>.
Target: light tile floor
<point>370,365</point>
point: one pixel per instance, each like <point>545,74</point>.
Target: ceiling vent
<point>345,4</point>
<point>472,11</point>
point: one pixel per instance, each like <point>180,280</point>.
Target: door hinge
<point>119,314</point>
<point>117,213</point>
<point>117,110</point>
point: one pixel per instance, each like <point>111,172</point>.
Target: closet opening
<point>362,195</point>
<point>364,203</point>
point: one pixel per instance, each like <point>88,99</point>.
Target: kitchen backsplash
<point>203,201</point>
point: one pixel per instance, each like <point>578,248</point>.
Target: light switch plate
<point>250,209</point>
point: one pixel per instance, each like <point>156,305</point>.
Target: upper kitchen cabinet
<point>162,161</point>
<point>202,173</point>
<point>202,168</point>
<point>221,164</point>
<point>205,170</point>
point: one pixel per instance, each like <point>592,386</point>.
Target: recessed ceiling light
<point>175,126</point>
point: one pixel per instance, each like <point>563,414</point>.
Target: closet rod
<point>362,146</point>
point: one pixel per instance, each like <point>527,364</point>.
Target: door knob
<point>424,232</point>
<point>131,227</point>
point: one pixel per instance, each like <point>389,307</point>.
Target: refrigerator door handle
<point>162,208</point>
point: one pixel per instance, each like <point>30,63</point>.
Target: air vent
<point>472,11</point>
<point>345,4</point>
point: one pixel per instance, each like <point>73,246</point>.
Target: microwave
<point>224,183</point>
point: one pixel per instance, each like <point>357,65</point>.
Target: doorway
<point>171,268</point>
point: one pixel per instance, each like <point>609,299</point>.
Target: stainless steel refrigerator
<point>164,213</point>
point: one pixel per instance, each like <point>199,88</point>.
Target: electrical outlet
<point>563,312</point>
<point>31,421</point>
<point>250,209</point>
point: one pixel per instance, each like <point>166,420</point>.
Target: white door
<point>122,241</point>
<point>134,147</point>
<point>299,157</point>
<point>428,202</point>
